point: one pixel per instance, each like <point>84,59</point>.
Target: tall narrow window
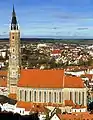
<point>30,96</point>
<point>40,96</point>
<point>20,94</point>
<point>59,97</point>
<point>70,95</point>
<point>25,95</point>
<point>49,96</point>
<point>44,96</point>
<point>79,98</point>
<point>82,98</point>
<point>35,96</point>
<point>75,97</point>
<point>55,97</point>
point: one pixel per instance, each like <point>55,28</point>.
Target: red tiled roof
<point>56,52</point>
<point>36,78</point>
<point>76,116</point>
<point>12,96</point>
<point>78,106</point>
<point>73,82</point>
<point>3,82</point>
<point>39,109</point>
<point>32,107</point>
<point>3,73</point>
<point>69,103</point>
<point>26,105</point>
<point>3,78</point>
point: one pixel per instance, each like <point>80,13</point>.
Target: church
<point>40,86</point>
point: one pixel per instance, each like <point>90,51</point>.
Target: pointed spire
<point>13,13</point>
<point>14,20</point>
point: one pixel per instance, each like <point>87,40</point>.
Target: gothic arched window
<point>59,97</point>
<point>79,98</point>
<point>44,96</point>
<point>75,97</point>
<point>40,96</point>
<point>25,96</point>
<point>70,95</point>
<point>82,98</point>
<point>30,96</point>
<point>49,96</point>
<point>35,96</point>
<point>55,96</point>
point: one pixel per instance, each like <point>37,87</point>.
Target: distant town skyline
<point>49,18</point>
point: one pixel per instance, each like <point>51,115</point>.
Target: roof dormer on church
<point>14,25</point>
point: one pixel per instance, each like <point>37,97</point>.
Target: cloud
<point>73,15</point>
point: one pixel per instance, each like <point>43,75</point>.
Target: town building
<point>40,86</point>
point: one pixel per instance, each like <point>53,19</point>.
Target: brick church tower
<point>14,56</point>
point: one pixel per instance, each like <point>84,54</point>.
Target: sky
<point>49,18</point>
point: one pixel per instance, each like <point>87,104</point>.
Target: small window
<point>13,56</point>
<point>13,72</point>
<point>12,37</point>
<point>13,50</point>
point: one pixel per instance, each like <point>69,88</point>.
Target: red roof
<point>76,116</point>
<point>39,109</point>
<point>32,107</point>
<point>3,82</point>
<point>26,105</point>
<point>3,78</point>
<point>12,96</point>
<point>69,103</point>
<point>73,82</point>
<point>36,78</point>
<point>56,52</point>
<point>78,106</point>
<point>3,73</point>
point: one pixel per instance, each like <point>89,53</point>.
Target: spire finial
<point>13,13</point>
<point>14,20</point>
